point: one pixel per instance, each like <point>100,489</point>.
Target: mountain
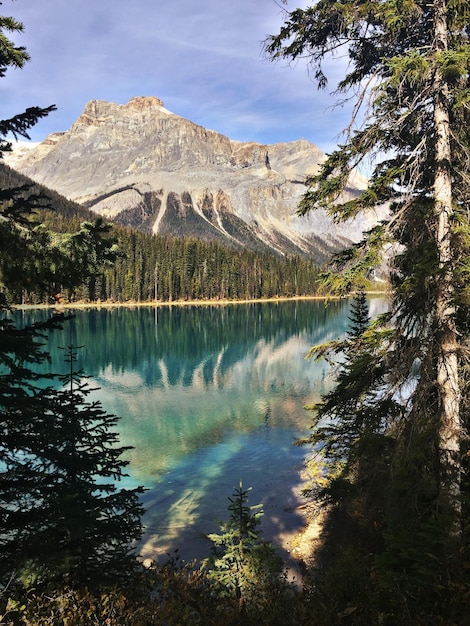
<point>141,165</point>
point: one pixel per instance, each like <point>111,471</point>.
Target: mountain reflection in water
<point>208,396</point>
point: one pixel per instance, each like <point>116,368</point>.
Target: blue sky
<point>203,58</point>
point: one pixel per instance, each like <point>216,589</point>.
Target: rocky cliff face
<point>142,165</point>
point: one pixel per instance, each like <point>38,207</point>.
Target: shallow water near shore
<point>208,397</point>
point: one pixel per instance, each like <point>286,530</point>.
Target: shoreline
<point>152,303</point>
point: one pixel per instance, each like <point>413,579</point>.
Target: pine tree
<point>359,317</point>
<point>242,562</point>
<point>54,518</point>
<point>352,416</point>
<point>72,519</point>
<point>409,76</point>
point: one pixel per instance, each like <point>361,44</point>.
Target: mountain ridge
<point>142,165</point>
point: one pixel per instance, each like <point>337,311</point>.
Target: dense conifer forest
<point>168,269</point>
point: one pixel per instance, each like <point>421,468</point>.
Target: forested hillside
<point>165,268</point>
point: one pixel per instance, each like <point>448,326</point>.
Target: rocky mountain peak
<point>143,165</point>
<point>100,110</point>
<point>144,102</point>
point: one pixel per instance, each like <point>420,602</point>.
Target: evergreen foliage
<point>246,567</point>
<point>64,514</point>
<point>50,261</point>
<point>354,414</point>
<point>191,269</point>
<point>56,520</point>
<point>399,415</point>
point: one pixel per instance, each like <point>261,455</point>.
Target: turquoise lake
<point>207,396</point>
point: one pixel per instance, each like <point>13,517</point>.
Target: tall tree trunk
<point>448,384</point>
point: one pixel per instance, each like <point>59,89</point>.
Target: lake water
<point>208,396</point>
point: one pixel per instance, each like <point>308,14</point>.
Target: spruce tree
<point>244,564</point>
<point>408,77</point>
<point>72,520</point>
<point>55,519</point>
<point>350,423</point>
<point>359,317</point>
